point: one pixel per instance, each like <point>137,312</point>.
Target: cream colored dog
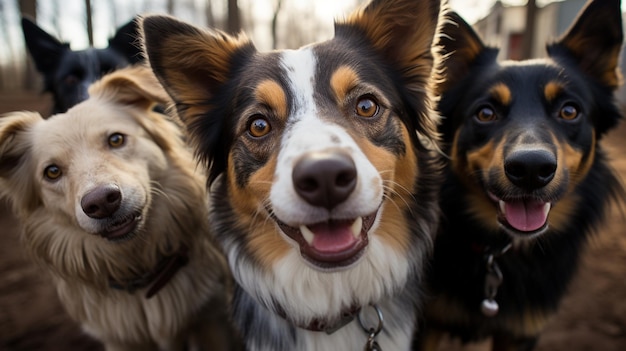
<point>113,207</point>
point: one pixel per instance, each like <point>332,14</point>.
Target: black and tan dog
<point>527,182</point>
<point>323,197</point>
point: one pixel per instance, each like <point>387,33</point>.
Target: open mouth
<point>523,217</point>
<point>335,243</point>
<point>123,228</point>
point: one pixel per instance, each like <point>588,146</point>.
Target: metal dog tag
<point>371,344</point>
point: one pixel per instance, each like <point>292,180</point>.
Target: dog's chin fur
<point>288,285</point>
<point>259,121</point>
<point>156,173</point>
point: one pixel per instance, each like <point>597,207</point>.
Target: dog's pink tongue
<point>526,216</point>
<point>332,237</point>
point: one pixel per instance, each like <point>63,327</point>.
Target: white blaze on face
<point>307,131</point>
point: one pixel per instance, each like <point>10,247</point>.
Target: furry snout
<point>111,211</point>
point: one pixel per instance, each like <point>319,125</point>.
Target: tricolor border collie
<point>322,175</point>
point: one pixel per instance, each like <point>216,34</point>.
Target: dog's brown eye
<point>568,112</point>
<point>116,140</point>
<point>366,107</point>
<point>259,127</point>
<point>486,114</point>
<point>52,172</point>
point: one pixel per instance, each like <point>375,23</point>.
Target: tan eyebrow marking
<point>272,94</point>
<point>502,93</point>
<point>342,81</point>
<point>552,90</point>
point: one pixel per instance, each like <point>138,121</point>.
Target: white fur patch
<point>301,290</point>
<point>309,133</point>
<point>305,293</point>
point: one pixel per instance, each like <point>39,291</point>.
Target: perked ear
<point>135,85</point>
<point>192,63</point>
<point>45,49</point>
<point>126,41</point>
<point>402,32</point>
<point>594,41</point>
<point>15,174</point>
<point>460,46</point>
<point>385,22</point>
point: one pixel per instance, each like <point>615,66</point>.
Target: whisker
<point>387,185</point>
<point>157,190</point>
<point>386,196</point>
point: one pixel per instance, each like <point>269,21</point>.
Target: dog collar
<point>157,278</point>
<point>325,325</point>
<point>347,316</point>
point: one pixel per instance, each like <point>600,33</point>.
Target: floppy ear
<point>16,181</point>
<point>594,41</point>
<point>194,65</point>
<point>45,50</point>
<point>134,85</point>
<point>126,42</point>
<point>137,87</point>
<point>461,47</point>
<point>402,32</point>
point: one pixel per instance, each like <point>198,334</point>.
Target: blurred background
<point>519,27</point>
<point>593,317</point>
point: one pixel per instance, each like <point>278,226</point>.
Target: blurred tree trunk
<point>28,7</point>
<point>529,37</point>
<point>234,18</point>
<point>170,7</point>
<point>275,24</point>
<point>89,21</point>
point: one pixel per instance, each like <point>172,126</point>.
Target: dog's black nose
<point>325,178</point>
<point>530,169</point>
<point>102,201</point>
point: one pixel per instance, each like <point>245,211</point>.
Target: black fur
<point>68,73</point>
<point>536,272</point>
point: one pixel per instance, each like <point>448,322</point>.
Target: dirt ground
<point>592,317</point>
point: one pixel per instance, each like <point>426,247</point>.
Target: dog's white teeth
<point>307,234</point>
<point>502,206</point>
<point>356,227</point>
<point>546,208</point>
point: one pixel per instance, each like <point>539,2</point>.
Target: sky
<point>473,10</point>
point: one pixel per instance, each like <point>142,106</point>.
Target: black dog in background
<point>68,73</point>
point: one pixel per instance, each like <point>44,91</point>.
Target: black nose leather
<point>325,179</point>
<point>530,169</point>
<point>102,201</point>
